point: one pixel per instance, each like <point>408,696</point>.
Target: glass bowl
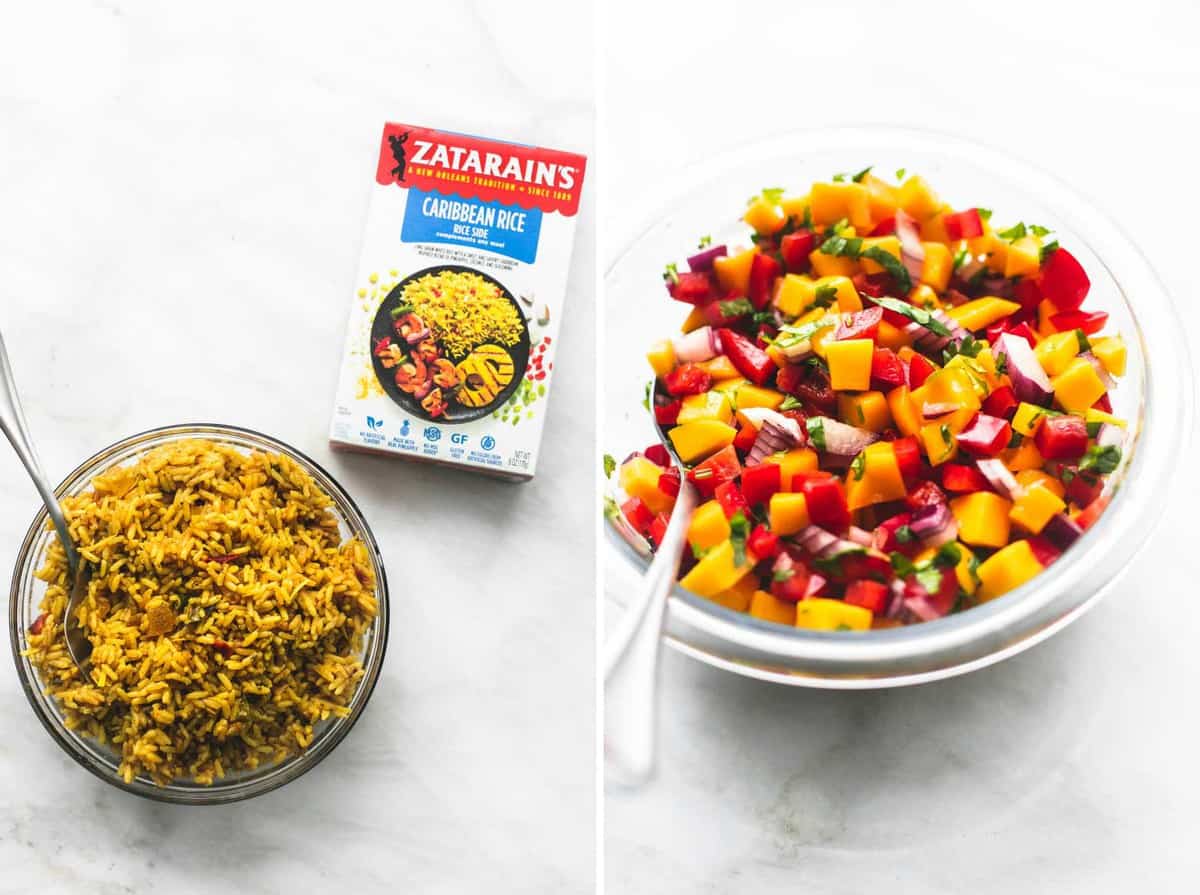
<point>1152,396</point>
<point>26,596</point>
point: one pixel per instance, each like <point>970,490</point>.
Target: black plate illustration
<point>384,326</point>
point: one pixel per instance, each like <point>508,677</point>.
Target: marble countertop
<point>181,203</point>
<point>1070,768</point>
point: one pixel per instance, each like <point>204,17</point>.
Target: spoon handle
<point>12,421</point>
<point>631,658</point>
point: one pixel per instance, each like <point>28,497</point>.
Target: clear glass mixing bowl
<point>1155,396</point>
<point>26,597</point>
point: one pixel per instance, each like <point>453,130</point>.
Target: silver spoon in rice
<point>12,421</point>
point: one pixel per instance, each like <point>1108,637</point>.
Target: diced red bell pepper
<point>1091,322</point>
<point>1043,551</point>
<point>888,528</point>
<point>1064,282</point>
<point>657,453</point>
<point>960,479</point>
<point>723,466</point>
<point>638,514</point>
<point>863,566</point>
<point>715,312</point>
<point>1028,293</point>
<point>760,482</point>
<point>745,438</point>
<point>826,501</point>
<point>1062,437</point>
<point>894,318</point>
<point>887,369</point>
<point>908,457</point>
<point>919,369</point>
<point>875,285</point>
<point>750,360</point>
<point>789,580</point>
<point>658,529</point>
<point>1087,517</point>
<point>886,227</point>
<point>986,435</point>
<point>688,379</point>
<point>963,225</point>
<point>765,336</point>
<point>859,324</point>
<point>763,271</point>
<point>729,496</point>
<point>668,482</point>
<point>38,624</point>
<point>796,247</point>
<point>667,414</point>
<point>925,494</point>
<point>1104,403</point>
<point>1016,327</point>
<point>1001,403</point>
<point>1084,488</point>
<point>868,594</point>
<point>692,287</point>
<point>763,542</point>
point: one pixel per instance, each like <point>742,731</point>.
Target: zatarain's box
<point>454,318</point>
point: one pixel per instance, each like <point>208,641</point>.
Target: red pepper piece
<point>688,379</point>
<point>919,369</point>
<point>888,528</point>
<point>691,287</point>
<point>875,285</point>
<point>826,502</point>
<point>638,514</point>
<point>658,529</point>
<point>760,482</point>
<point>723,311</point>
<point>763,271</point>
<point>750,360</point>
<point>1062,437</point>
<point>1084,488</point>
<point>960,479</point>
<point>667,414</point>
<point>859,325</point>
<point>723,466</point>
<point>1091,322</point>
<point>795,248</point>
<point>908,457</point>
<point>657,453</point>
<point>1064,282</point>
<point>790,582</point>
<point>1016,327</point>
<point>1043,551</point>
<point>1087,517</point>
<point>1001,403</point>
<point>963,225</point>
<point>887,369</point>
<point>1104,403</point>
<point>986,435</point>
<point>729,496</point>
<point>744,440</point>
<point>763,543</point>
<point>868,594</point>
<point>886,227</point>
<point>38,624</point>
<point>1028,293</point>
<point>668,482</point>
<point>925,494</point>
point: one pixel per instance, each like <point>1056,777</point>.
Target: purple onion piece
<point>704,260</point>
<point>698,345</point>
<point>1062,531</point>
<point>999,477</point>
<point>1030,382</point>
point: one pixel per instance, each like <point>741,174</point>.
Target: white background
<point>1071,768</point>
<point>181,203</point>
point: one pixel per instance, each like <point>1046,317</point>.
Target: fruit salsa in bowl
<point>908,380</point>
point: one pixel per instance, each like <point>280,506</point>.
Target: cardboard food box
<point>454,317</point>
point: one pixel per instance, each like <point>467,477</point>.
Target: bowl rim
<point>190,793</point>
<point>1007,612</point>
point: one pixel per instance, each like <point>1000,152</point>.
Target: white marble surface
<point>1071,768</point>
<point>181,198</point>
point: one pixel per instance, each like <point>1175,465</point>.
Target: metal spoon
<point>12,422</point>
<point>631,654</point>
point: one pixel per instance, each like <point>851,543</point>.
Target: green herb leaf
<point>1015,440</point>
<point>705,242</point>
<point>858,178</point>
<point>905,535</point>
<point>771,193</point>
<point>789,403</point>
<point>737,307</point>
<point>842,246</point>
<point>1001,363</point>
<point>1093,428</point>
<point>900,172</point>
<point>816,432</point>
<point>699,552</point>
<point>612,512</point>
<point>671,273</point>
<point>1084,344</point>
<point>1101,458</point>
<point>807,222</point>
<point>858,466</point>
<point>838,178</point>
<point>968,346</point>
<point>1015,232</point>
<point>1047,250</point>
<point>915,314</point>
<point>985,214</point>
<point>825,296</point>
<point>763,317</point>
<point>948,556</point>
<point>610,464</point>
<point>930,578</point>
<point>1038,230</point>
<point>783,574</point>
<point>892,265</point>
<point>739,531</point>
<point>960,258</point>
<point>902,565</point>
<point>646,397</point>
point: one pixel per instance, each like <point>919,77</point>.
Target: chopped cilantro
<point>699,552</point>
<point>838,178</point>
<point>947,438</point>
<point>1001,363</point>
<point>892,265</point>
<point>771,193</point>
<point>671,273</point>
<point>858,178</point>
<point>1047,250</point>
<point>968,346</point>
<point>1093,428</point>
<point>973,568</point>
<point>917,315</point>
<point>902,565</point>
<point>1038,230</point>
<point>739,531</point>
<point>960,258</point>
<point>825,296</point>
<point>948,556</point>
<point>905,535</point>
<point>783,574</point>
<point>1016,231</point>
<point>610,463</point>
<point>985,214</point>
<point>1016,440</point>
<point>929,577</point>
<point>737,307</point>
<point>900,172</point>
<point>842,246</point>
<point>858,466</point>
<point>1084,344</point>
<point>807,222</point>
<point>789,403</point>
<point>705,242</point>
<point>816,432</point>
<point>1101,458</point>
<point>646,397</point>
<point>833,564</point>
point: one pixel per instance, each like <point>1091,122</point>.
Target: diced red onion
<point>844,440</point>
<point>999,477</point>
<point>797,351</point>
<point>1029,380</point>
<point>817,540</point>
<point>696,346</point>
<point>927,340</point>
<point>922,608</point>
<point>815,583</point>
<point>1110,435</point>
<point>912,253</point>
<point>1062,531</point>
<point>861,536</point>
<point>934,524</point>
<point>895,607</point>
<point>930,410</point>
<point>704,260</point>
<point>774,436</point>
<point>1001,287</point>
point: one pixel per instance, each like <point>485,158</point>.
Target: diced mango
<point>733,271</point>
<point>737,597</point>
<point>1099,416</point>
<point>710,405</point>
<point>794,206</point>
<point>709,526</point>
<point>820,614</point>
<point>904,411</point>
<point>847,296</point>
<point>795,294</point>
<point>890,244</point>
<point>1024,456</point>
<point>982,518</point>
<point>764,216</point>
<point>695,441</point>
<point>1078,387</point>
<point>833,201</point>
<point>923,296</point>
<point>1027,418</point>
<point>881,196</point>
<point>951,385</point>
<point>716,571</point>
<point>820,338</point>
<point>1027,478</point>
<point>938,265</point>
<point>982,312</point>
<point>996,257</point>
<point>1024,257</point>
<point>962,571</point>
<point>877,478</point>
<point>850,364</point>
<point>757,396</point>
<point>891,336</point>
<point>795,463</point>
<point>1006,570</point>
<point>730,387</point>
<point>787,513</point>
<point>1110,350</point>
<point>720,368</point>
<point>867,410</point>
<point>939,443</point>
<point>662,357</point>
<point>1034,507</point>
<point>832,265</point>
<point>918,198</point>
<point>694,320</point>
<point>1045,322</point>
<point>770,608</point>
<point>1056,351</point>
<point>639,478</point>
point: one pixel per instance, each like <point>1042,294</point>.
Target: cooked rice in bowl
<point>227,616</point>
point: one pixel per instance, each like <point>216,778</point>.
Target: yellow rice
<point>463,310</point>
<point>227,616</point>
